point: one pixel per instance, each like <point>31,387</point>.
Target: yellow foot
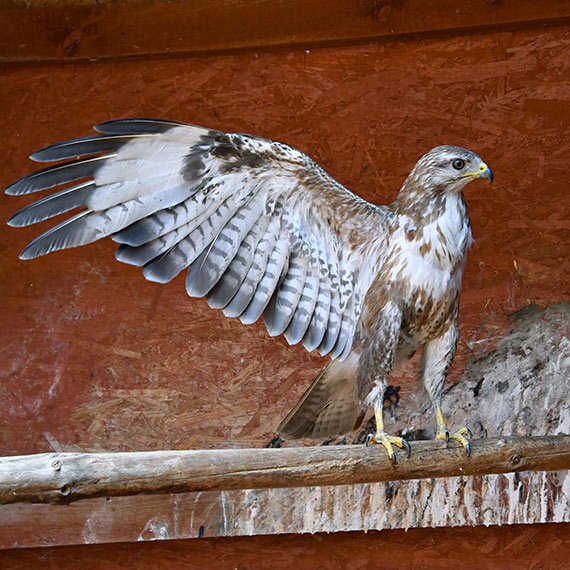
<point>388,441</point>
<point>444,434</point>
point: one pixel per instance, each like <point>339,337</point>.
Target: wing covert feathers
<point>260,227</point>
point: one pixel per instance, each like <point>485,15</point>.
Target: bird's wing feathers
<point>260,227</point>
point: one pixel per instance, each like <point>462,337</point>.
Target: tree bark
<point>66,477</point>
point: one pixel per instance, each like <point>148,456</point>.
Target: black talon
<point>446,438</point>
<point>468,448</point>
<point>367,440</point>
<point>393,459</point>
<point>407,446</point>
<point>470,433</point>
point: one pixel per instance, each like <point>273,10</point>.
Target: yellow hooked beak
<point>482,172</point>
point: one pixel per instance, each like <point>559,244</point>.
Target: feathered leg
<point>375,366</point>
<point>437,357</point>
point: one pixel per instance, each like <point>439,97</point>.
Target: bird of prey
<point>264,231</point>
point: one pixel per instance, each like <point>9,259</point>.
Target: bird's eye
<point>458,164</point>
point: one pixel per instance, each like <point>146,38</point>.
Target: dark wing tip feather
<point>55,175</point>
<point>68,233</point>
<point>18,187</point>
<point>136,126</point>
<point>52,205</point>
<point>25,185</point>
<point>93,144</point>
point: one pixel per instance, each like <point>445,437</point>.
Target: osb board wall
<point>95,358</point>
<point>544,547</point>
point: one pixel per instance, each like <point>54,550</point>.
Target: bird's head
<point>450,168</point>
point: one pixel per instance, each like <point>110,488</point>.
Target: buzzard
<point>264,231</point>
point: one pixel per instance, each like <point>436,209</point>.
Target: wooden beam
<point>81,29</point>
<point>67,477</point>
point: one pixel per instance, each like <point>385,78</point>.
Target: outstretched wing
<point>261,228</point>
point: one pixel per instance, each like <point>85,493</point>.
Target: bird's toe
<point>389,441</point>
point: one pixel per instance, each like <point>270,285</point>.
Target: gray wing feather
<point>136,126</point>
<point>344,335</point>
<point>223,248</point>
<point>334,319</point>
<point>53,205</point>
<point>170,264</point>
<point>56,175</point>
<point>301,319</point>
<point>151,250</point>
<point>83,146</point>
<point>283,305</point>
<point>276,264</point>
<point>166,221</point>
<point>245,293</point>
<point>320,317</point>
<point>233,277</point>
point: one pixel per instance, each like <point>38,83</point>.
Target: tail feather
<point>329,407</point>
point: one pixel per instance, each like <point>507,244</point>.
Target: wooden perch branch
<point>68,477</point>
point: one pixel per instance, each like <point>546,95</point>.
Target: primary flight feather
<point>263,230</point>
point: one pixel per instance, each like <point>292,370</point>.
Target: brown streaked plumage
<point>263,230</point>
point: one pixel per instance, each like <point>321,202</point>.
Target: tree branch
<point>67,477</point>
